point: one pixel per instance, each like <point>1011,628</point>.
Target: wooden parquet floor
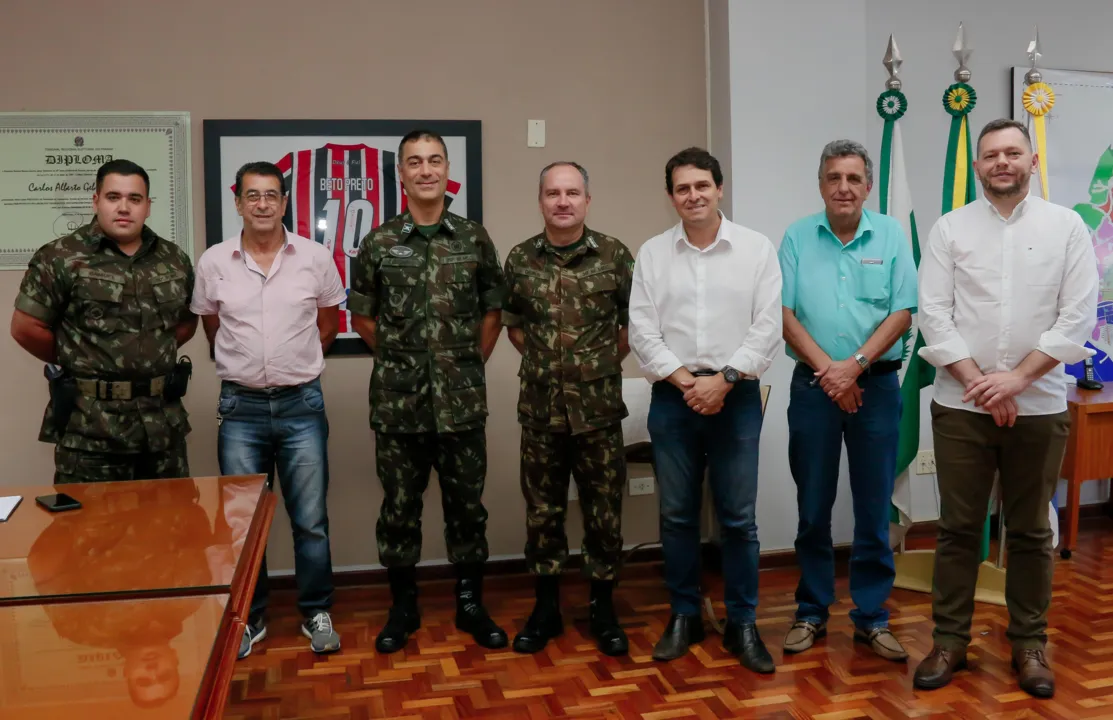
<point>443,674</point>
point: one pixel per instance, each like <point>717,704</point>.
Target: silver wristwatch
<point>862,360</point>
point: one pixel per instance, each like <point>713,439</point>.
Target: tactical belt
<point>122,389</point>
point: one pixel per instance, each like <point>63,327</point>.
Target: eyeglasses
<point>270,197</point>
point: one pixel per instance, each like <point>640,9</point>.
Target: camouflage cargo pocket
<point>598,291</point>
<point>457,282</point>
<point>396,391</point>
<point>532,286</point>
<point>170,293</point>
<point>398,290</point>
<point>601,386</point>
<point>534,391</point>
<point>467,389</point>
<point>98,296</point>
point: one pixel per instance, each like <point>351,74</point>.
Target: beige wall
<point>621,85</point>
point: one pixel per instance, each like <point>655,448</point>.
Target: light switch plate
<point>535,133</point>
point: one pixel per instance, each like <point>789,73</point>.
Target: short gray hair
<point>846,148</point>
<point>558,163</point>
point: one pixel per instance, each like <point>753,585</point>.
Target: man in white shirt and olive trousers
<point>705,323</point>
<point>1008,294</point>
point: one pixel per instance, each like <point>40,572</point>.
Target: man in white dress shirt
<point>705,323</point>
<point>1008,294</point>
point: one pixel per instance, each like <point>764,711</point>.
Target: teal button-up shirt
<point>841,294</point>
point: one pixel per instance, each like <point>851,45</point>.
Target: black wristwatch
<point>730,374</point>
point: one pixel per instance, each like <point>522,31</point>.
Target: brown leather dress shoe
<point>938,667</point>
<point>1033,674</point>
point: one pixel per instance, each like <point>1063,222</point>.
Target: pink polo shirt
<point>268,333</point>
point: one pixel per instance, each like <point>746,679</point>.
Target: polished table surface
<point>133,539</point>
<point>118,659</point>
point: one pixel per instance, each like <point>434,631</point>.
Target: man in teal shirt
<point>849,291</point>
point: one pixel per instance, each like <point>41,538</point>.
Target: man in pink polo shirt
<point>269,302</point>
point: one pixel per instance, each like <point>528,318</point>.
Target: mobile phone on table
<point>58,502</point>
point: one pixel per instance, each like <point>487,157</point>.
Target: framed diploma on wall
<point>341,180</point>
<point>48,170</point>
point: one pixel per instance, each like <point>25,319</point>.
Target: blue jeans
<point>686,443</point>
<point>817,428</point>
<point>284,429</point>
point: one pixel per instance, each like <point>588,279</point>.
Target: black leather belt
<point>705,373</point>
<point>267,392</point>
<point>881,367</point>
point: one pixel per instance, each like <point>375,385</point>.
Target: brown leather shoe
<point>938,667</point>
<point>1033,674</point>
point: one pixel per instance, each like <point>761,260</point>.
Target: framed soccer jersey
<point>341,180</point>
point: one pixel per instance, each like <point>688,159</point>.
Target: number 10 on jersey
<point>359,219</point>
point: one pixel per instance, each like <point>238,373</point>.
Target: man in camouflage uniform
<point>109,306</point>
<point>426,295</point>
<point>567,315</point>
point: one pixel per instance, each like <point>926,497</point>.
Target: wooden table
<point>1089,454</point>
<point>116,659</point>
<point>178,557</point>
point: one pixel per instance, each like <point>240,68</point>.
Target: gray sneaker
<point>251,635</point>
<point>322,638</point>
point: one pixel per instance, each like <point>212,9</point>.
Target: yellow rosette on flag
<point>1038,99</point>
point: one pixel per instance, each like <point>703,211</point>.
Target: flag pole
<point>913,568</point>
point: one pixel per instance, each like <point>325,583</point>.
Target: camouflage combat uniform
<point>570,303</point>
<point>428,392</point>
<point>114,318</point>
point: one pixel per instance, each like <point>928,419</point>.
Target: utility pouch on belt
<point>179,380</point>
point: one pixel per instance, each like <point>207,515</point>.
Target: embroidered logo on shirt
<point>407,228</point>
<point>401,251</point>
<point>872,261</point>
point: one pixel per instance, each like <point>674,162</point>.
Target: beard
<point>1009,190</point>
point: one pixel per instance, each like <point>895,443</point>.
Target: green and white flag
<point>915,373</point>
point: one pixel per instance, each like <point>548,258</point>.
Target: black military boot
<point>404,617</point>
<point>471,616</point>
<point>609,635</point>
<point>544,622</point>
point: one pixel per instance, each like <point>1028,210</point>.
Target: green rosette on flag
<point>958,173</point>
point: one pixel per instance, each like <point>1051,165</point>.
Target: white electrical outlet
<point>925,462</point>
<point>641,486</point>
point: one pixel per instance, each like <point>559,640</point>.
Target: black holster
<point>179,380</point>
<point>63,396</point>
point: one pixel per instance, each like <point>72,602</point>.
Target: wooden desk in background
<point>169,561</point>
<point>1089,453</point>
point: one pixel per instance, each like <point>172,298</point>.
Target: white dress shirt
<point>994,290</point>
<point>705,309</point>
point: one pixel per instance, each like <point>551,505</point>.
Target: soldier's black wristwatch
<point>731,375</point>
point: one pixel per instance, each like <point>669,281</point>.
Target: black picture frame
<point>282,133</point>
